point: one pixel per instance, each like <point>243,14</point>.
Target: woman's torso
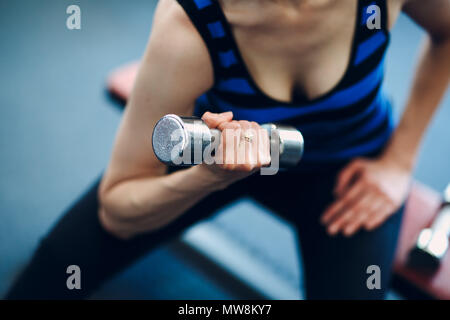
<point>316,66</point>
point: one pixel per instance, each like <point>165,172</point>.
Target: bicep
<point>164,84</point>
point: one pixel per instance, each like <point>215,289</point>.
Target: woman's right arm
<point>136,194</point>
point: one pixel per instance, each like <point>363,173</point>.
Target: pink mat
<point>120,82</point>
<point>421,208</point>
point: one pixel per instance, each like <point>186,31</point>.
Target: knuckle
<point>227,126</point>
<point>244,123</point>
<point>254,125</point>
<point>235,124</point>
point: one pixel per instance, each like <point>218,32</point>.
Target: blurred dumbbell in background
<point>432,243</point>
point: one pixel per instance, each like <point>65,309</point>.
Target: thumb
<point>213,120</point>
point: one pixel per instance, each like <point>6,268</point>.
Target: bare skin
<point>290,47</point>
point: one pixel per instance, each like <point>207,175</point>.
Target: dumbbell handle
<point>192,131</point>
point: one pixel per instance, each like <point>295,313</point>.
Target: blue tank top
<point>353,119</point>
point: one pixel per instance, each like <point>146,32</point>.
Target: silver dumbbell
<point>179,141</point>
<point>432,243</point>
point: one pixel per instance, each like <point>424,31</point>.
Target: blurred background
<point>57,125</point>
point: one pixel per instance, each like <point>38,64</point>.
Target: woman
<point>317,65</point>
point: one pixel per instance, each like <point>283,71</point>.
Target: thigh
<point>337,267</point>
<point>79,239</point>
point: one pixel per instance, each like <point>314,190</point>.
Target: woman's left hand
<point>367,193</point>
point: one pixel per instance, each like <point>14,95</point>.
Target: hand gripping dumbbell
<point>432,243</point>
<point>176,138</point>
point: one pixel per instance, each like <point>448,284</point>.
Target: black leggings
<point>334,267</point>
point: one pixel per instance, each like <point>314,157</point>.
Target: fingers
<point>263,145</point>
<point>378,217</point>
<point>347,175</point>
<point>229,145</point>
<point>342,203</point>
<point>361,215</point>
<point>246,152</point>
<point>245,145</point>
<point>369,212</point>
<point>248,146</point>
<point>353,212</point>
<point>215,120</point>
<point>367,193</point>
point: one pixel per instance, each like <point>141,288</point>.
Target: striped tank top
<point>354,119</point>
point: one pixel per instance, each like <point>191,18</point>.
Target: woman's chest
<point>304,53</point>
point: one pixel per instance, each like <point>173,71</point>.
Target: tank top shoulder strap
<point>210,21</point>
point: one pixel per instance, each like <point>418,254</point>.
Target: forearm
<point>429,86</point>
<point>148,203</point>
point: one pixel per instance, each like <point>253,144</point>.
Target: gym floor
<point>57,125</point>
